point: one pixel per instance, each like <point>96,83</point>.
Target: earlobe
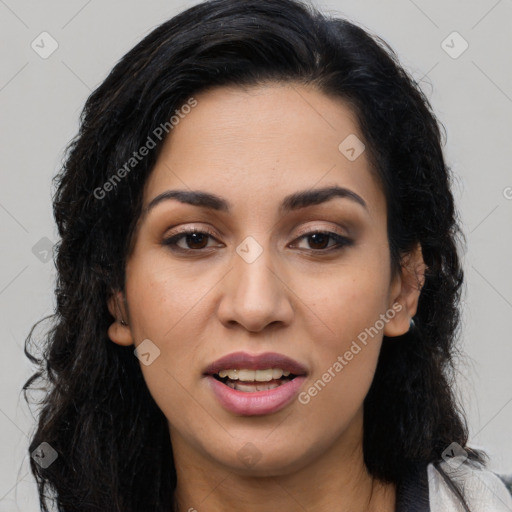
<point>119,331</point>
<point>406,291</point>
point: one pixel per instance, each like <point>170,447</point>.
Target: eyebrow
<point>292,202</point>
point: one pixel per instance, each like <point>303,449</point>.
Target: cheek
<point>160,298</point>
<point>350,306</point>
<point>168,311</point>
<point>344,368</point>
<point>348,301</point>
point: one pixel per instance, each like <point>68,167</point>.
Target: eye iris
<point>201,236</point>
<point>314,236</point>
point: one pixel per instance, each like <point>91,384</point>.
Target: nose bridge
<point>252,268</point>
<point>254,294</point>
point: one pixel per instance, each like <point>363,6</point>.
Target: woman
<point>258,280</point>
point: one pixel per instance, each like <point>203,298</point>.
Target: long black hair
<point>112,440</point>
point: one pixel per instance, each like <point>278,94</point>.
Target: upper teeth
<point>254,375</point>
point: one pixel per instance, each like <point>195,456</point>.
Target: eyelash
<point>342,241</point>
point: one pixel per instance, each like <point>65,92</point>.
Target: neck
<point>335,480</point>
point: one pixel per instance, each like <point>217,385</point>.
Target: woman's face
<point>255,282</point>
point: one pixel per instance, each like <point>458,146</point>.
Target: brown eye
<point>195,240</point>
<point>318,240</point>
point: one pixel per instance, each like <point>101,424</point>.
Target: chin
<point>270,462</point>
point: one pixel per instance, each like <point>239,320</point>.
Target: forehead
<point>261,143</point>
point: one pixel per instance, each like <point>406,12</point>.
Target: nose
<point>255,293</point>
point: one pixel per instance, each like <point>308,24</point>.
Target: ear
<point>405,291</point>
<point>119,331</point>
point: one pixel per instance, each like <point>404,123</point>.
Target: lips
<point>245,361</point>
<point>249,399</point>
<point>257,403</point>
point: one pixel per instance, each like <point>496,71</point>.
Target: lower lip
<point>259,402</point>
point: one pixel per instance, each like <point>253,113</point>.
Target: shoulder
<point>482,489</point>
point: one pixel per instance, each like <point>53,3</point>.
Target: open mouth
<point>248,385</point>
<point>251,381</point>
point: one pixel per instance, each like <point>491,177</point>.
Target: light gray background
<point>40,101</point>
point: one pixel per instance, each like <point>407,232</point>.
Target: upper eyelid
<point>347,227</point>
<point>179,235</point>
<point>321,229</point>
<point>211,232</point>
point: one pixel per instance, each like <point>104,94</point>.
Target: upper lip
<point>243,360</point>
